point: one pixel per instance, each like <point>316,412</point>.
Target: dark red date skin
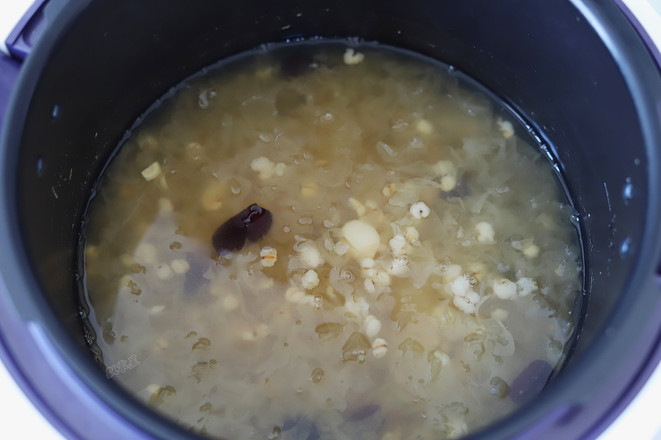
<point>249,225</point>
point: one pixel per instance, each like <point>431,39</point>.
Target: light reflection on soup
<point>419,269</point>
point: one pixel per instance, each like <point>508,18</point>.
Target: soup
<point>330,241</point>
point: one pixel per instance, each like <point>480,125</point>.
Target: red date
<point>250,225</point>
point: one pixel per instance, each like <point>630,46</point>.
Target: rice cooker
<point>583,74</point>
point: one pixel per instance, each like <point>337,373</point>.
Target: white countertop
<point>640,421</point>
<point>20,418</point>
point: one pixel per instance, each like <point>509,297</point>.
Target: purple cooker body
<point>79,409</point>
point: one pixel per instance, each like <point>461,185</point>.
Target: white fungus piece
<point>310,280</point>
<point>164,271</point>
<point>264,166</point>
<point>126,259</point>
<point>476,269</point>
<point>358,207</point>
<point>379,348</point>
<point>165,205</point>
<point>531,251</point>
<point>375,209</point>
<point>269,256</point>
<point>362,237</point>
<point>266,138</point>
<point>382,278</point>
<point>504,288</point>
<point>152,171</point>
<point>212,196</point>
<point>329,244</point>
<point>506,128</point>
<point>216,289</point>
<point>499,314</point>
<point>146,253</point>
<point>443,358</point>
<point>162,181</point>
<point>388,190</point>
<point>298,296</point>
<point>416,142</point>
<point>351,57</point>
<point>485,232</point>
<point>560,270</point>
<point>310,256</point>
<point>310,189</point>
<point>424,127</point>
<point>125,281</point>
<point>399,125</point>
<point>420,210</point>
<point>180,266</point>
<point>264,282</point>
<point>525,286</point>
<point>372,326</point>
<point>411,234</point>
<point>503,268</point>
<point>230,303</point>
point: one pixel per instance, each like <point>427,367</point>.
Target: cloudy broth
<point>417,265</point>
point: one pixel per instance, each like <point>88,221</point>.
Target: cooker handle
<point>647,22</point>
<point>21,24</point>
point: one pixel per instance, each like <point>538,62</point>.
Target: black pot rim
<point>626,347</point>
